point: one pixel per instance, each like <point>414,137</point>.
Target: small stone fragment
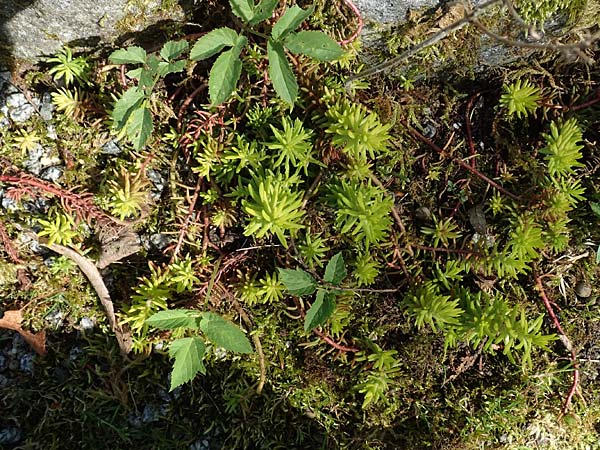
<point>583,289</point>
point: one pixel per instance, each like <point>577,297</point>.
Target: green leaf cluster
<point>131,114</point>
<point>189,352</point>
<point>358,132</point>
<point>273,206</point>
<point>520,98</point>
<point>363,211</point>
<point>300,283</point>
<point>227,69</point>
<point>68,68</point>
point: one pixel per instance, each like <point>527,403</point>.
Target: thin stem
<point>443,33</point>
<point>360,25</point>
<point>461,163</point>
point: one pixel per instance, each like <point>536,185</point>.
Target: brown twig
<point>565,341</point>
<point>469,130</point>
<point>7,243</point>
<point>81,204</point>
<point>395,213</point>
<point>461,163</point>
<point>334,344</point>
<point>91,272</point>
<point>186,222</point>
<point>359,26</point>
<point>255,340</point>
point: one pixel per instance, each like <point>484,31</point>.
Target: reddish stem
<point>360,25</point>
<point>333,343</point>
<point>587,104</point>
<point>461,163</point>
<point>564,339</point>
<point>6,242</point>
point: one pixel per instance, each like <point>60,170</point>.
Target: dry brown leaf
<point>12,321</point>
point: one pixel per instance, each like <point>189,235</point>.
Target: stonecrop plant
<point>520,98</point>
<point>274,207</point>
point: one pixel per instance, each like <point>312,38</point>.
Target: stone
<point>583,289</point>
<point>389,11</point>
<point>32,29</point>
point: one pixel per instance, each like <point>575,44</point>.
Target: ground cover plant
<point>234,240</point>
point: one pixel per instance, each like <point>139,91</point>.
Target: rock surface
<point>386,11</point>
<point>30,29</point>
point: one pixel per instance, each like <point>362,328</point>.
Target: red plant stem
<point>6,242</point>
<point>333,343</point>
<point>360,25</point>
<point>586,104</point>
<point>564,339</point>
<point>461,163</point>
<point>82,204</point>
<point>186,222</point>
<point>187,102</point>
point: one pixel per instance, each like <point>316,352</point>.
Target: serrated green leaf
<point>224,75</point>
<point>244,9</point>
<point>139,127</point>
<point>264,10</point>
<point>297,281</point>
<point>224,333</point>
<point>595,208</point>
<point>129,101</point>
<point>282,77</point>
<point>146,79</point>
<point>174,318</point>
<point>130,55</point>
<point>320,311</point>
<point>165,68</point>
<point>188,353</point>
<point>212,43</point>
<point>315,44</point>
<point>135,73</point>
<point>335,271</point>
<point>290,20</point>
<point>173,49</point>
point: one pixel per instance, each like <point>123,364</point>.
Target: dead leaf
<point>12,321</point>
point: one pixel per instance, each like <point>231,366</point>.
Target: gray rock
<point>86,324</point>
<point>386,11</point>
<point>111,148</point>
<point>55,318</point>
<point>26,363</point>
<point>47,107</point>
<point>33,28</point>
<point>51,174</point>
<point>19,108</point>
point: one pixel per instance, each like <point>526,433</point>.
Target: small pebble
<point>423,214</point>
<point>51,174</point>
<point>111,148</point>
<point>26,363</point>
<point>47,107</point>
<point>86,324</point>
<point>19,108</point>
<point>55,318</point>
<point>583,289</point>
<point>10,435</point>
